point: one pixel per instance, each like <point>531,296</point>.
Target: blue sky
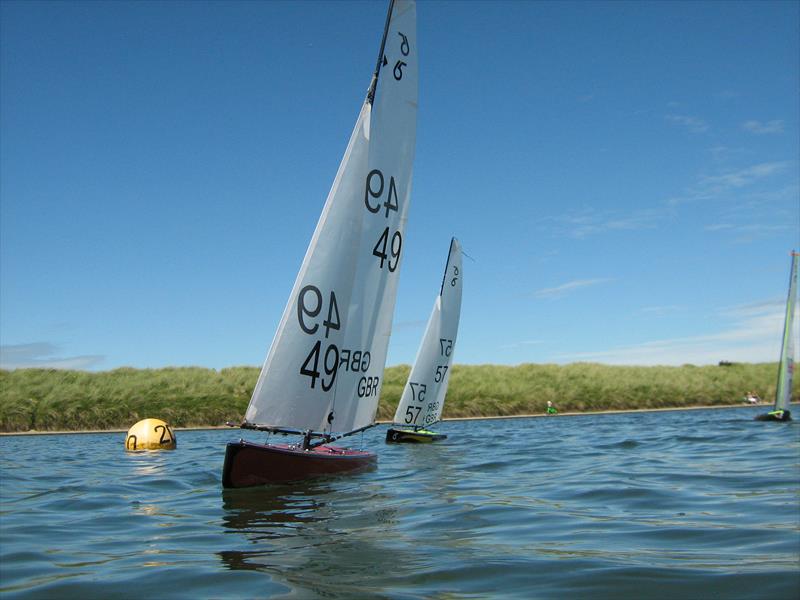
<point>623,176</point>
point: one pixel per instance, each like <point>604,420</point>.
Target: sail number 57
<point>417,395</point>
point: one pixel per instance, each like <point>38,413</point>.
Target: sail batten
<point>324,369</point>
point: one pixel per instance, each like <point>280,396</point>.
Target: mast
<point>447,264</point>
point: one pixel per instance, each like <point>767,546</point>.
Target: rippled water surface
<point>683,504</point>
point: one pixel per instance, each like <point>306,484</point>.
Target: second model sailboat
<point>423,397</point>
<point>783,393</point>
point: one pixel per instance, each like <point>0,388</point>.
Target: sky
<point>623,176</point>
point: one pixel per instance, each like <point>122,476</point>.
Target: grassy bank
<point>50,400</point>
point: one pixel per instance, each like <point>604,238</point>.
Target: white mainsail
<point>786,368</point>
<point>324,369</point>
<point>423,397</point>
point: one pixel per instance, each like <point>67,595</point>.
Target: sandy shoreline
<point>564,414</point>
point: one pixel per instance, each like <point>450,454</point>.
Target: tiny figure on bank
<point>752,398</point>
<point>551,410</point>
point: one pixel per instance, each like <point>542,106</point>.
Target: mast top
<point>373,84</point>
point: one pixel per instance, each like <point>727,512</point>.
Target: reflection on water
<point>323,538</point>
<point>683,504</point>
<point>324,527</point>
<point>265,516</point>
<point>269,512</point>
<point>147,462</point>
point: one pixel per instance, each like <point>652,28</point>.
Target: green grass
<point>52,400</point>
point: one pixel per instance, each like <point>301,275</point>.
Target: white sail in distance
<point>783,394</point>
<point>324,369</point>
<point>423,397</point>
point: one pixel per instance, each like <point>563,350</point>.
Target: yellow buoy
<point>150,434</point>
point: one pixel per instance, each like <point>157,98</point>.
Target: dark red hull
<point>248,464</point>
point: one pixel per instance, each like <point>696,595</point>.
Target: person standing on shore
<point>551,410</point>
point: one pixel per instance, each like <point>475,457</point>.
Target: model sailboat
<point>323,374</point>
<point>783,394</point>
<point>423,397</point>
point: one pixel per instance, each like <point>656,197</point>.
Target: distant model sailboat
<point>323,374</point>
<point>783,394</point>
<point>423,397</point>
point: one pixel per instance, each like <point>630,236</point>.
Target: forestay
<point>786,367</point>
<point>423,397</point>
<point>324,369</point>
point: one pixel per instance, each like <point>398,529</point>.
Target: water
<point>661,505</point>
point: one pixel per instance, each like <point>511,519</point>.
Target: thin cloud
<point>583,223</point>
<point>757,214</point>
<point>744,182</point>
<point>43,355</point>
<point>710,187</point>
<point>693,124</point>
<point>561,290</point>
<point>721,154</point>
<point>760,128</point>
<point>749,232</point>
<point>742,177</point>
<point>752,336</point>
<point>775,306</point>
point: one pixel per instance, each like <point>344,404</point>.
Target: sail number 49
<point>389,243</point>
<point>330,364</point>
<point>309,307</point>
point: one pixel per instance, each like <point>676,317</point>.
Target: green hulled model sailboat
<point>783,394</point>
<point>423,396</point>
